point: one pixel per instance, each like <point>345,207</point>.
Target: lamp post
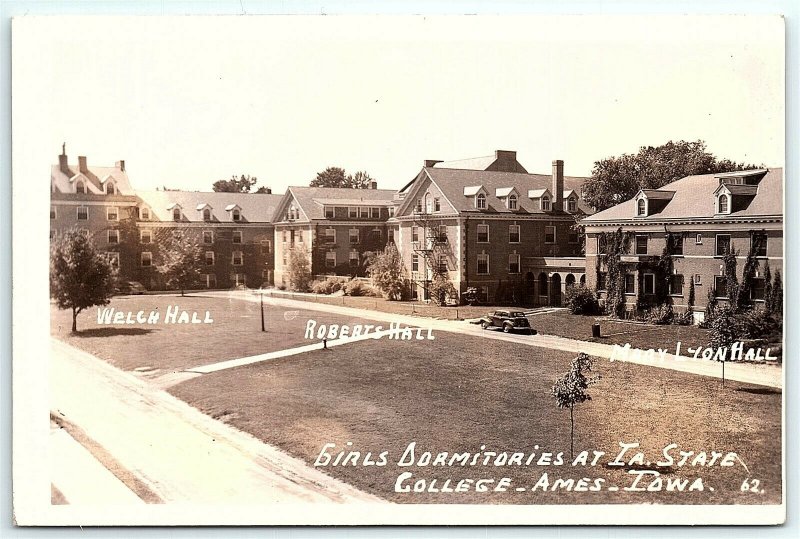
<point>261,295</point>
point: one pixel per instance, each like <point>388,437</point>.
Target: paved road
<point>764,375</point>
<point>177,452</point>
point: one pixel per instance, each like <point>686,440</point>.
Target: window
<point>209,258</point>
<point>720,288</point>
<point>698,239</point>
<point>206,214</point>
<point>480,201</point>
<point>630,284</point>
<point>572,204</point>
<point>52,212</point>
<point>415,262</point>
<point>113,236</point>
<point>113,258</point>
<point>390,234</point>
<point>649,283</point>
<point>329,212</point>
<point>418,207</point>
<point>266,247</point>
<point>146,236</point>
<point>601,280</point>
<point>83,213</point>
<point>352,213</point>
<point>112,214</point>
<point>759,243</point>
<point>330,259</point>
<point>237,259</point>
<point>111,189</point>
<point>641,245</point>
<point>545,203</point>
<point>354,258</point>
<point>512,202</point>
<point>483,233</point>
<point>442,264</point>
<point>513,233</point>
<point>697,279</point>
<point>144,213</point>
<point>641,207</point>
<point>354,236</point>
<point>428,204</point>
<point>377,235</point>
<point>236,214</point>
<point>723,244</point>
<point>363,212</point>
<point>211,280</point>
<point>414,234</point>
<point>549,234</point>
<point>677,245</point>
<point>391,211</point>
<point>330,235</point>
<point>513,263</point>
<point>299,236</point>
<point>208,237</point>
<point>722,204</point>
<point>437,204</point>
<point>176,214</point>
<point>375,213</point>
<point>602,244</point>
<point>147,259</point>
<point>441,234</point>
<point>483,264</point>
<point>676,285</point>
<point>237,236</point>
<point>757,288</point>
<point>80,187</point>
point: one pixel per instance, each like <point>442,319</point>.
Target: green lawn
<point>454,394</point>
<point>235,332</point>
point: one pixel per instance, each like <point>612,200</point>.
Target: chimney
<point>430,162</point>
<point>558,185</point>
<point>62,162</point>
<point>505,161</point>
<point>82,164</point>
<point>121,165</point>
<point>373,184</point>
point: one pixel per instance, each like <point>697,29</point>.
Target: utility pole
<point>261,295</point>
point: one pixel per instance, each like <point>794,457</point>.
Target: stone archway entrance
<point>569,281</point>
<point>530,289</point>
<point>555,290</point>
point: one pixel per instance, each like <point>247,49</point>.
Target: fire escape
<point>430,246</point>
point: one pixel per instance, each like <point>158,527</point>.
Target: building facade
<point>693,222</point>
<point>488,224</point>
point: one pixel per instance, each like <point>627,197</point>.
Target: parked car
<point>130,287</point>
<point>507,320</point>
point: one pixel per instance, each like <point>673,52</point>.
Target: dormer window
<point>641,207</point>
<point>176,214</point>
<point>206,214</point>
<point>545,204</point>
<point>236,215</point>
<point>512,202</point>
<point>144,213</point>
<point>723,203</point>
<point>572,205</point>
<point>480,201</point>
<point>111,189</point>
<point>80,187</point>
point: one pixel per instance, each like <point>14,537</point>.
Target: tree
<point>768,288</point>
<point>243,184</point>
<point>299,269</point>
<point>263,191</point>
<point>337,177</point>
<point>617,179</point>
<point>776,295</point>
<point>724,331</point>
<point>441,289</point>
<point>387,272</point>
<point>80,276</point>
<point>570,390</point>
<point>180,263</point>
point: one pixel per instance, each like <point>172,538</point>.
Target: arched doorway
<point>583,279</point>
<point>543,298</point>
<point>569,281</point>
<point>530,289</point>
<point>555,290</point>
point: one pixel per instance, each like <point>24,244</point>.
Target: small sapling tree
<point>570,390</point>
<point>80,276</point>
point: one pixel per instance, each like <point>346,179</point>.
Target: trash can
<point>596,330</point>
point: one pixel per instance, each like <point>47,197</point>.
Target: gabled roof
<point>472,190</point>
<point>474,163</point>
<point>538,193</point>
<point>569,192</point>
<point>502,192</point>
<point>738,189</point>
<point>255,207</point>
<point>64,183</point>
<point>312,200</point>
<point>657,194</point>
<point>451,182</point>
<point>694,199</point>
<point>203,206</point>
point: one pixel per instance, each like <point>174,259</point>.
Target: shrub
<point>328,286</point>
<point>356,287</point>
<point>442,290</point>
<point>660,314</point>
<point>685,318</point>
<point>758,324</point>
<point>581,300</point>
<point>470,296</point>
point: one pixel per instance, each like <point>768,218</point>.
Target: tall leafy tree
<point>337,177</point>
<point>242,184</point>
<point>299,269</point>
<point>80,276</point>
<point>181,259</point>
<point>617,179</point>
<point>387,272</point>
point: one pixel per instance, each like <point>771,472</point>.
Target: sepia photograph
<point>399,270</point>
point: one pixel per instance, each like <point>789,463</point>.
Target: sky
<point>186,101</point>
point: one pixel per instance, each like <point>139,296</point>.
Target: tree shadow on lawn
<point>111,332</point>
<point>760,390</point>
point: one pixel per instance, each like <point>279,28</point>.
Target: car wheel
<point>484,324</point>
<point>507,328</point>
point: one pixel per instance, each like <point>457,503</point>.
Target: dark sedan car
<point>130,287</point>
<point>507,320</point>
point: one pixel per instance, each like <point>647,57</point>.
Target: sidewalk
<point>180,454</point>
<point>763,375</point>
